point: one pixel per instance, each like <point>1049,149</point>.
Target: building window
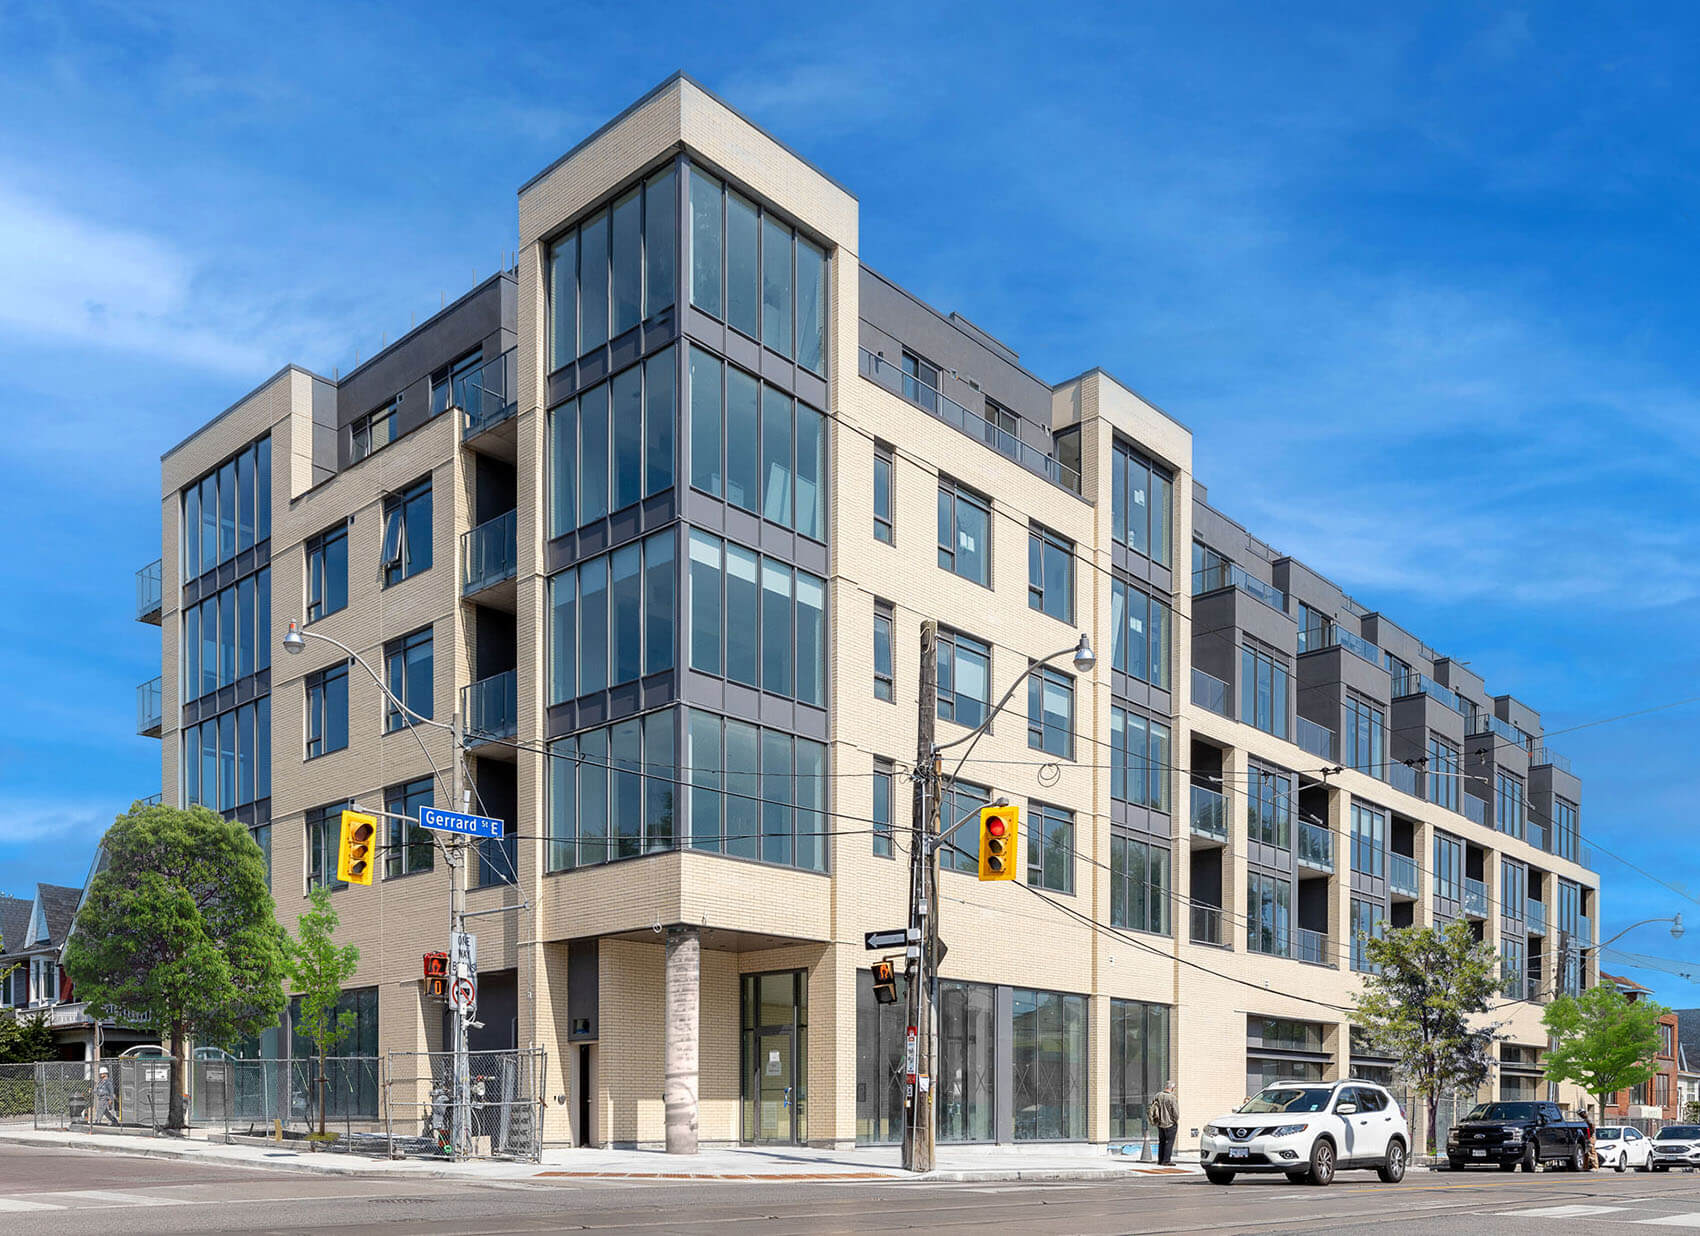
<point>1508,814</point>
<point>885,518</point>
<point>756,793</point>
<point>327,710</point>
<point>1269,807</point>
<point>1139,1063</point>
<point>1139,760</point>
<point>961,800</point>
<point>407,533</point>
<point>965,677</point>
<point>613,619</point>
<point>885,673</point>
<point>227,635</point>
<point>1448,868</point>
<point>1141,502</point>
<point>1268,911</point>
<point>1050,712</point>
<point>753,271</point>
<point>324,830</point>
<point>1566,836</point>
<point>227,511</point>
<point>1140,627</point>
<point>407,666</point>
<point>612,792</point>
<point>410,847</point>
<point>920,381</point>
<point>1513,965</point>
<point>1443,787</point>
<point>615,268</point>
<point>1048,1049</point>
<point>1667,1047</point>
<point>1315,629</point>
<point>762,450</point>
<point>965,545</point>
<point>449,384</point>
<point>1366,737</point>
<point>372,432</point>
<point>327,572</point>
<point>1139,885</point>
<point>1368,923</point>
<point>757,620</point>
<point>1369,841</point>
<point>1050,573</point>
<point>884,778</point>
<point>1050,848</point>
<point>1513,889</point>
<point>611,446</point>
<point>1264,691</point>
<point>227,759</point>
<point>1003,429</point>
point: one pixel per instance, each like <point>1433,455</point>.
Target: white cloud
<point>71,822</point>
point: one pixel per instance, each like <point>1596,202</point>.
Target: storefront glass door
<point>775,1053</point>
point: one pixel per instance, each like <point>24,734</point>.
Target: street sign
<point>463,969</point>
<point>462,994</point>
<point>885,939</point>
<point>911,1055</point>
<point>454,822</point>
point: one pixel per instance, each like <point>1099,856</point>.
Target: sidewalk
<point>792,1163</point>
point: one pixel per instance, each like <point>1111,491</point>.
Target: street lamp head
<point>1084,657</point>
<point>292,640</point>
<point>1676,927</point>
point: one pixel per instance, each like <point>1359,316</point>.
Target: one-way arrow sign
<point>885,939</point>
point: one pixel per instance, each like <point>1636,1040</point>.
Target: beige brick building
<point>660,512</point>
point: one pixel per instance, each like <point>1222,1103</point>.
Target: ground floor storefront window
<point>775,1052</point>
<point>1139,1063</point>
<point>967,1062</point>
<point>1279,1049</point>
<point>880,1031</point>
<point>1048,1046</point>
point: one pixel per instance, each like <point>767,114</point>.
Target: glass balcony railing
<point>1402,776</point>
<point>946,409</point>
<point>150,708</point>
<point>1402,874</point>
<point>1475,898</point>
<point>1314,738</point>
<point>488,553</point>
<point>1207,925</point>
<point>1584,931</point>
<point>1356,644</point>
<point>1539,836</point>
<point>491,707</point>
<point>1229,575</point>
<point>487,395</point>
<point>1210,693</point>
<point>1535,917</point>
<point>152,800</point>
<point>1546,755</point>
<point>1487,723</point>
<point>148,592</point>
<point>1316,847</point>
<point>1412,683</point>
<point>1209,813</point>
<point>1475,809</point>
<point>1311,946</point>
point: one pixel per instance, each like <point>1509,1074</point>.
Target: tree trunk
<point>176,1117</point>
<point>321,1093</point>
<point>1432,1102</point>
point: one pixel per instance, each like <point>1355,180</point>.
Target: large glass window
<point>965,543</point>
<point>1050,847</point>
<point>1448,868</point>
<point>1140,634</point>
<point>1139,1063</point>
<point>1268,909</point>
<point>1508,812</point>
<point>756,793</point>
<point>1369,840</point>
<point>1366,737</point>
<point>327,572</point>
<point>227,511</point>
<point>227,635</point>
<point>1139,885</point>
<point>613,618</point>
<point>779,638</point>
<point>885,518</point>
<point>1513,889</point>
<point>613,270</point>
<point>1048,1049</point>
<point>612,445</point>
<point>407,666</point>
<point>885,674</point>
<point>1443,770</point>
<point>324,830</point>
<point>968,1035</point>
<point>1265,688</point>
<point>958,802</point>
<point>965,678</point>
<point>884,786</point>
<point>410,848</point>
<point>1139,759</point>
<point>1269,807</point>
<point>373,431</point>
<point>1050,573</point>
<point>226,760</point>
<point>327,710</point>
<point>612,792</point>
<point>1368,923</point>
<point>1050,712</point>
<point>406,550</point>
<point>1566,835</point>
<point>1141,504</point>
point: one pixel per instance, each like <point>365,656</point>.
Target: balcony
<point>150,709</point>
<point>1403,777</point>
<point>890,376</point>
<point>1210,693</point>
<point>1475,898</point>
<point>1413,683</point>
<point>1207,925</point>
<point>1487,723</point>
<point>1536,912</point>
<point>149,595</point>
<point>487,396</point>
<point>488,554</point>
<point>152,800</point>
<point>1209,814</point>
<point>1314,738</point>
<point>1402,875</point>
<point>1355,644</point>
<point>1540,836</point>
<point>1584,931</point>
<point>1316,847</point>
<point>491,708</point>
<point>1227,575</point>
<point>1311,947</point>
<point>1475,809</point>
<point>1546,755</point>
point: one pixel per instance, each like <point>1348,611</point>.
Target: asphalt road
<point>44,1192</point>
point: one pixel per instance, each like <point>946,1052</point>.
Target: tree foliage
<point>25,1039</point>
<point>1425,1004</point>
<point>1602,1041</point>
<point>179,931</point>
<point>319,968</point>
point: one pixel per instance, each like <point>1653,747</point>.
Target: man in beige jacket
<point>1165,1114</point>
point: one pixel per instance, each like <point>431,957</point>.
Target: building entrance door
<point>775,1051</point>
<point>774,1086</point>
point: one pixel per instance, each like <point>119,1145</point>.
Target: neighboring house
<point>1688,1058</point>
<point>1657,1098</point>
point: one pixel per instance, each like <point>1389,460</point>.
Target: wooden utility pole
<point>918,1093</point>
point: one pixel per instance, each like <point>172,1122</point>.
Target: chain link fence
<point>503,1117</point>
<point>17,1094</point>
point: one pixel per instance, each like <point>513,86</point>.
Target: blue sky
<point>1419,280</point>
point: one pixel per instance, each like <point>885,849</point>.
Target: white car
<point>1622,1146</point>
<point>1676,1145</point>
<point>1309,1130</point>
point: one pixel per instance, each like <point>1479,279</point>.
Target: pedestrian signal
<point>358,848</point>
<point>885,983</point>
<point>437,975</point>
<point>999,827</point>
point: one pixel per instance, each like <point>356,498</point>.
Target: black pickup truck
<point>1511,1135</point>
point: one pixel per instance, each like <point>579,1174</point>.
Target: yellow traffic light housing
<point>358,849</point>
<point>999,828</point>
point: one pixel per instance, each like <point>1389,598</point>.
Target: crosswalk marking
<point>1562,1212</point>
<point>1688,1220</point>
<point>104,1198</point>
<point>15,1204</point>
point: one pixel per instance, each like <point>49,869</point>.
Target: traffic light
<point>999,827</point>
<point>437,975</point>
<point>885,983</point>
<point>358,848</point>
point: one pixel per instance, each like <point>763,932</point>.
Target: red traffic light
<point>995,827</point>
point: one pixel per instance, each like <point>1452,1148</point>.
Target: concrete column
<point>684,1011</point>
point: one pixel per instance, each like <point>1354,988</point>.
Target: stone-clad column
<point>684,1008</point>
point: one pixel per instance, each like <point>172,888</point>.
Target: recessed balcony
<point>150,710</point>
<point>150,593</point>
<point>491,708</point>
<point>488,559</point>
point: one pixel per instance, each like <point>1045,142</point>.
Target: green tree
<point>1425,1004</point>
<point>319,968</point>
<point>25,1039</point>
<point>1601,1041</point>
<point>179,931</point>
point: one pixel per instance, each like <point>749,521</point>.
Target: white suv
<point>1308,1130</point>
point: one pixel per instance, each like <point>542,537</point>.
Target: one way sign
<point>887,939</point>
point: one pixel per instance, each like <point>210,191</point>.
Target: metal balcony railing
<point>1210,693</point>
<point>1314,738</point>
<point>1230,575</point>
<point>149,592</point>
<point>487,395</point>
<point>1316,847</point>
<point>152,800</point>
<point>1475,898</point>
<point>1487,723</point>
<point>488,553</point>
<point>1311,947</point>
<point>1402,874</point>
<point>1209,813</point>
<point>1401,776</point>
<point>491,707</point>
<point>150,710</point>
<point>1413,683</point>
<point>1475,809</point>
<point>1546,755</point>
<point>1535,915</point>
<point>1207,925</point>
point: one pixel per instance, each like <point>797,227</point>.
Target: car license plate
<point>1238,1152</point>
<point>1479,1154</point>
